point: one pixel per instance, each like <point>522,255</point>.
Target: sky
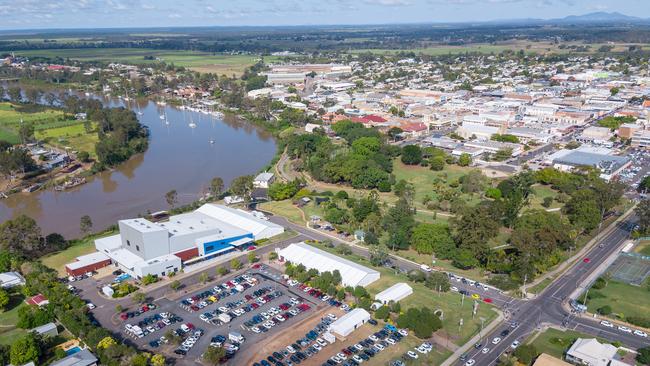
<point>34,14</point>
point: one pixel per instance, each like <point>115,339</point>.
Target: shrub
<point>604,310</point>
<point>526,353</point>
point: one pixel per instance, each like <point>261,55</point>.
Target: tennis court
<point>630,268</point>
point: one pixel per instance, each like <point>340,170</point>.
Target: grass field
<point>86,245</point>
<point>195,60</point>
<point>449,303</point>
<point>11,117</point>
<point>539,193</point>
<point>74,136</point>
<point>643,247</point>
<point>284,208</point>
<point>625,299</point>
<point>8,320</point>
<point>556,342</point>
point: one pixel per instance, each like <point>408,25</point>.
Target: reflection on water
<point>179,157</point>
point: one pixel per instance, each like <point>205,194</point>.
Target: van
<point>236,337</point>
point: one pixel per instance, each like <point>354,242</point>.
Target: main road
<point>549,307</point>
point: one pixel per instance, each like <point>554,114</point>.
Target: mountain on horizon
<point>600,16</point>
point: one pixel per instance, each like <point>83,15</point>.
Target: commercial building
<point>641,139</point>
<point>349,322</point>
<point>11,279</point>
<point>627,130</point>
<point>394,293</point>
<point>352,274</point>
<point>609,165</point>
<point>591,352</point>
<point>143,247</point>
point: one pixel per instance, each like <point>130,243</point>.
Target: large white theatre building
<point>143,247</point>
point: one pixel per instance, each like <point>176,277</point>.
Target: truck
<point>236,337</point>
<point>224,317</point>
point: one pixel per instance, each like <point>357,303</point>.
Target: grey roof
<point>44,328</point>
<point>81,358</point>
<point>606,163</point>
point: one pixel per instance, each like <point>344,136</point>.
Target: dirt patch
<point>289,336</point>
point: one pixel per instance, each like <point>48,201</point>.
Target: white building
<point>394,293</point>
<point>349,322</point>
<point>11,279</point>
<point>352,274</point>
<point>263,180</point>
<point>591,352</point>
<point>143,247</point>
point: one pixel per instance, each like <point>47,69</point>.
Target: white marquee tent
<point>352,274</point>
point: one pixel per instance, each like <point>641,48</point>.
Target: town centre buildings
<point>143,247</point>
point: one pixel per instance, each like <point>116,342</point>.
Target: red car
<point>487,300</point>
<point>124,316</point>
<point>586,260</point>
<point>256,265</point>
<point>252,247</point>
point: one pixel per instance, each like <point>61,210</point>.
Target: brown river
<point>184,154</point>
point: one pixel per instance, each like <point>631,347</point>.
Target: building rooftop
<point>81,358</point>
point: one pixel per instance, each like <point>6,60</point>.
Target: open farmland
<point>197,61</point>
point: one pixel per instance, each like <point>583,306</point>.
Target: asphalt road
<point>548,307</point>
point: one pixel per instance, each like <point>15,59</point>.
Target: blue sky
<point>21,14</point>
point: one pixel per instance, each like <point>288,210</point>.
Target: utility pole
<point>524,287</point>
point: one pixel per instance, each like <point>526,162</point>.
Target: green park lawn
<point>285,209</point>
<point>625,300</point>
<point>10,119</point>
<point>448,302</point>
<point>539,193</point>
<point>8,320</point>
<point>80,247</point>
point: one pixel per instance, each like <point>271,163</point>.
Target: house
<point>590,352</point>
<point>263,180</point>
<point>81,358</point>
<point>46,330</point>
<point>87,263</point>
<point>349,322</point>
<point>11,279</point>
<point>38,300</point>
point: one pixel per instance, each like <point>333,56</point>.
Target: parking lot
<point>256,304</point>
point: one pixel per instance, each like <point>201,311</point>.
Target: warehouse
<point>143,247</point>
<point>352,274</point>
<point>87,263</point>
<point>609,165</point>
<point>394,293</point>
<point>349,322</point>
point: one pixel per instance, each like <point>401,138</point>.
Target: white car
<point>515,344</point>
<point>317,346</point>
<point>374,338</point>
<point>640,333</point>
<point>425,268</point>
<point>485,350</point>
<point>624,329</point>
<point>358,346</point>
<point>420,349</point>
<point>607,324</point>
<point>357,359</point>
<point>341,356</point>
<point>390,341</point>
<point>496,340</point>
<point>291,349</point>
<point>403,332</point>
<point>90,305</point>
<point>470,362</point>
<point>321,342</point>
<point>255,330</point>
<point>412,354</point>
<point>454,288</point>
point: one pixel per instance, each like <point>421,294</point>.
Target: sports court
<point>630,268</point>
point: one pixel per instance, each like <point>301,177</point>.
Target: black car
<point>478,345</point>
<point>277,355</point>
<point>505,332</point>
<point>372,321</point>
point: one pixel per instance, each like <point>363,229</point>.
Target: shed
<point>394,293</point>
<point>48,330</point>
<point>11,279</point>
<point>349,322</point>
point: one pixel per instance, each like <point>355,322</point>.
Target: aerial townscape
<point>275,183</point>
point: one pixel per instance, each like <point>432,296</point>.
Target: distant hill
<point>599,17</point>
